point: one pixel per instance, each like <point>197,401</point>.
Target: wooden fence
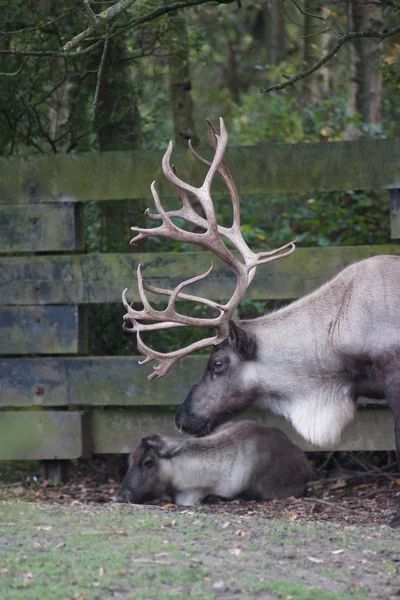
<point>58,403</point>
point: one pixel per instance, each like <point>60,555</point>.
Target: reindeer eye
<point>148,462</point>
<point>218,366</point>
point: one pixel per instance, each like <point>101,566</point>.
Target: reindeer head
<point>147,477</point>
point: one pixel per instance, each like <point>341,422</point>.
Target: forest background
<point>87,76</point>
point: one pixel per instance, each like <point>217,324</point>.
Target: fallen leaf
<point>315,560</point>
<point>236,551</point>
<point>240,533</point>
<point>339,551</point>
<point>293,517</point>
<point>168,524</point>
<point>226,524</point>
<point>28,576</point>
<point>112,491</point>
<point>60,545</point>
<point>341,483</point>
<point>169,505</point>
<point>43,527</point>
<point>318,508</point>
<point>207,579</point>
<point>96,583</point>
<point>101,571</point>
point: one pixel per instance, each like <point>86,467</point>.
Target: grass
<point>84,552</point>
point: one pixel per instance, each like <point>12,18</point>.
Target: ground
<point>72,542</point>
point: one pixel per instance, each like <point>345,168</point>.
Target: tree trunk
<point>117,115</point>
<point>368,16</point>
<point>180,82</point>
<point>117,123</point>
<point>313,49</point>
<point>232,73</point>
<point>351,131</point>
<point>276,32</point>
<point>269,30</point>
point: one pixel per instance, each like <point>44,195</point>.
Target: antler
<point>244,267</point>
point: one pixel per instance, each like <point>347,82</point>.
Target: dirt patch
<point>350,497</point>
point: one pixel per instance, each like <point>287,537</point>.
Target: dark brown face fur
<point>141,482</point>
<point>220,394</point>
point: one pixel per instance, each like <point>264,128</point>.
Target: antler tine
<point>266,257</point>
<point>181,296</point>
<point>223,171</point>
<point>169,317</point>
<point>168,228</point>
<point>166,360</point>
<point>202,193</point>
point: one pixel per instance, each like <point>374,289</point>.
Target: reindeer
<point>308,361</point>
<point>238,460</point>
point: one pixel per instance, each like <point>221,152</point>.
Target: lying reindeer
<point>308,361</point>
<point>239,460</point>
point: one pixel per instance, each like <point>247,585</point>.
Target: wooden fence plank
<point>270,168</point>
<point>41,330</point>
<point>116,381</point>
<point>85,381</point>
<point>118,431</point>
<point>49,435</point>
<point>100,278</point>
<point>40,227</point>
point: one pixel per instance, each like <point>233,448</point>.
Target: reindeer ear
<point>243,343</point>
<point>165,447</point>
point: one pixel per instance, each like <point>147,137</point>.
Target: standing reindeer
<point>308,361</point>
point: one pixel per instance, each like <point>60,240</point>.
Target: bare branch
<point>45,25</point>
<point>98,20</point>
<point>308,14</point>
<point>53,53</point>
<point>99,77</point>
<point>90,15</point>
<point>18,71</point>
<point>351,35</point>
<point>113,11</point>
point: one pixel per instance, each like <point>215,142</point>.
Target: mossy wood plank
<point>41,330</point>
<point>117,381</point>
<point>40,227</point>
<point>118,431</point>
<point>102,381</point>
<point>100,278</point>
<point>395,214</point>
<point>270,168</point>
<point>48,435</point>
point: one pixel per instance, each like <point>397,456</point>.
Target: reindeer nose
<point>182,418</point>
<point>185,422</point>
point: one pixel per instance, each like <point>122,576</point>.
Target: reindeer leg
<point>392,381</point>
